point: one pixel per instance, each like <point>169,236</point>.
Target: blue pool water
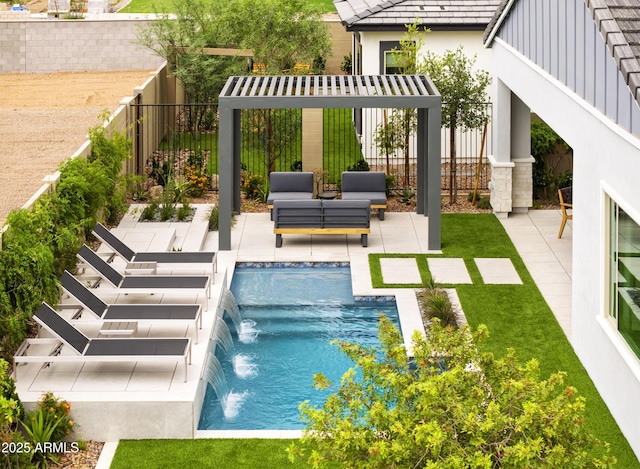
<point>290,316</point>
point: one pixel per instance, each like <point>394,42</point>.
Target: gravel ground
<point>44,119</point>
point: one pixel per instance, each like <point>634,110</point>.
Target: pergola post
<point>226,191</point>
<point>434,202</point>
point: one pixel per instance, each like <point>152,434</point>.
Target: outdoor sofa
<point>321,217</point>
<point>289,186</point>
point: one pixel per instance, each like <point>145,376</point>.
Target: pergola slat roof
<point>325,85</point>
<point>331,92</point>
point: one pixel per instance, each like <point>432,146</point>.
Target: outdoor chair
<point>160,257</point>
<point>289,186</point>
<point>366,185</point>
<point>85,349</point>
<point>145,283</point>
<point>119,313</point>
<point>566,203</point>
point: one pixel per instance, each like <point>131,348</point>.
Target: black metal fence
<point>181,142</point>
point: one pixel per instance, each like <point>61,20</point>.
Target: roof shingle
<point>372,14</point>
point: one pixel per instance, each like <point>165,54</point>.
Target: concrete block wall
<point>46,46</point>
<point>12,46</point>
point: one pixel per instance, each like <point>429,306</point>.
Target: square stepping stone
<point>448,270</point>
<point>400,270</point>
<point>498,271</point>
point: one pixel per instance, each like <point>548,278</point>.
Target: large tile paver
<point>448,270</point>
<point>400,270</point>
<point>497,271</point>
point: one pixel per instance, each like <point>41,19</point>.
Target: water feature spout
<point>222,336</point>
<point>214,375</point>
<point>228,303</point>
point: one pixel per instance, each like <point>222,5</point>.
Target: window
<point>392,66</point>
<point>391,62</point>
<point>624,281</point>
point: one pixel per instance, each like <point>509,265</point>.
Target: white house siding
<point>437,42</point>
<point>605,158</point>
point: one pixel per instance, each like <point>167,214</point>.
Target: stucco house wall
<point>435,41</point>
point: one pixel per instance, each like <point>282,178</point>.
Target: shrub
<point>360,165</point>
<point>449,406</point>
<point>254,187</point>
<point>149,212</point>
<point>42,242</point>
<point>434,303</point>
<point>184,211</point>
<point>214,216</point>
<point>196,179</point>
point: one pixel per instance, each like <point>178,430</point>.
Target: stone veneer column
<point>501,186</point>
<point>522,185</point>
<point>312,124</point>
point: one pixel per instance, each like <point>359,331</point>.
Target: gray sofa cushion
<point>346,213</point>
<point>376,198</point>
<point>363,181</point>
<point>290,186</point>
<point>297,213</point>
<point>291,182</point>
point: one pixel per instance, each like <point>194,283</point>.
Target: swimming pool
<point>289,317</point>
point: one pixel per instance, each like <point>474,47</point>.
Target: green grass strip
<point>204,454</point>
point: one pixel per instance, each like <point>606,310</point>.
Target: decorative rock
<point>214,182</point>
<point>155,192</point>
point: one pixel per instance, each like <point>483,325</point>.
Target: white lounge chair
<point>86,349</point>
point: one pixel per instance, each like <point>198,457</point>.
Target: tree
<point>279,33</point>
<point>181,38</point>
<point>451,406</point>
<point>395,132</point>
<point>463,94</point>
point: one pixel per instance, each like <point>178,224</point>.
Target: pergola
<point>330,92</point>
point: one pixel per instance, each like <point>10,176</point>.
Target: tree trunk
<point>407,138</point>
<point>269,130</point>
<point>453,184</point>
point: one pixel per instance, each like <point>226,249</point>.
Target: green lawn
<point>154,6</point>
<point>517,316</point>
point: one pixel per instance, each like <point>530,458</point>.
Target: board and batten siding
<point>561,37</point>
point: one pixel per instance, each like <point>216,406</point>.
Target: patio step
<point>198,230</point>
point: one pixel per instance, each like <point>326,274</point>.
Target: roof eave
<point>496,22</point>
<point>403,27</point>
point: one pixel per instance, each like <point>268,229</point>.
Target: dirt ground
<point>44,119</point>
